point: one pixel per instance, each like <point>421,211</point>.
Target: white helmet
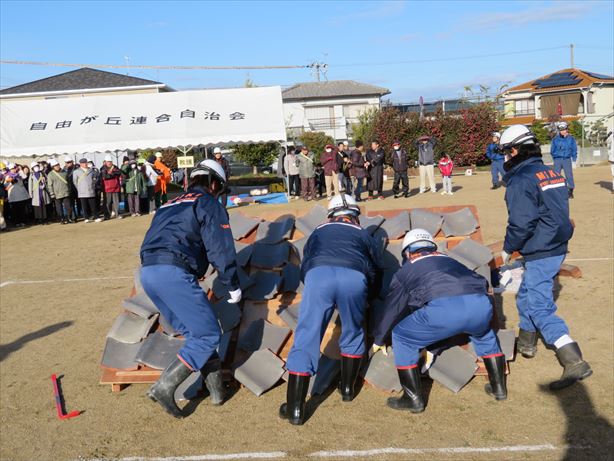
<point>33,164</point>
<point>497,134</point>
<point>68,159</point>
<point>108,158</point>
<point>516,135</point>
<point>342,204</point>
<point>53,162</point>
<point>158,154</point>
<point>217,150</point>
<point>416,239</point>
<point>209,167</point>
<point>562,126</point>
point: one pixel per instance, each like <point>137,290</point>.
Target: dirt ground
<point>60,327</point>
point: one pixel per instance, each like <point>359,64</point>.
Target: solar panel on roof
<point>558,79</point>
<point>606,77</point>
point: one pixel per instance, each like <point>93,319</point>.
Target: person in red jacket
<point>328,159</point>
<point>446,166</point>
<point>111,183</point>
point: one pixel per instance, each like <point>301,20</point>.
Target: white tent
<point>75,126</point>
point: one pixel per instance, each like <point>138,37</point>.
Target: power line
<point>132,66</point>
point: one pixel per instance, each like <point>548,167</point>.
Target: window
<point>354,110</point>
<point>525,107</point>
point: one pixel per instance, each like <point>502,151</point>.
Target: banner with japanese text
<point>76,125</point>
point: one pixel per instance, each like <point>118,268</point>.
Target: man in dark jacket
<point>400,166</point>
<point>111,185</point>
<point>375,167</point>
<point>538,228</point>
<point>358,169</point>
<point>564,151</point>
<point>328,159</point>
<point>431,298</point>
<point>493,152</point>
<point>186,235</point>
<point>340,264</point>
<point>425,145</point>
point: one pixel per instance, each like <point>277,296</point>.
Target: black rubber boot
<point>349,373</point>
<point>294,408</point>
<point>575,368</point>
<point>214,382</point>
<point>163,391</point>
<point>570,193</point>
<point>411,399</point>
<point>496,375</point>
<point>527,343</point>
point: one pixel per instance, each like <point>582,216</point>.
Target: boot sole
<point>404,408</point>
<point>166,409</point>
<point>564,383</point>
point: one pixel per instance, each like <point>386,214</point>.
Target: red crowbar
<point>58,401</point>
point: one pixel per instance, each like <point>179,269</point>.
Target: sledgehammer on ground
<point>58,401</point>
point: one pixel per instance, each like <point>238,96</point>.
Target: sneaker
<point>120,217</point>
<point>87,220</point>
<point>112,214</point>
<point>381,197</point>
<point>450,193</point>
<point>98,220</point>
<point>444,193</point>
<point>434,191</point>
<point>422,191</point>
<point>136,215</point>
<point>152,212</point>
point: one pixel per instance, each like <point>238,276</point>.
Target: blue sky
<point>413,48</point>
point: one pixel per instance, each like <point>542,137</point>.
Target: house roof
<point>529,119</point>
<point>332,89</point>
<point>80,79</point>
<point>562,79</point>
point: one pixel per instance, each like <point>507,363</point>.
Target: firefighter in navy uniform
<point>186,235</point>
<point>539,228</point>
<point>434,297</point>
<point>340,269</point>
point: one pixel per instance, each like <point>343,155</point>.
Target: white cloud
<point>562,11</point>
<point>379,10</point>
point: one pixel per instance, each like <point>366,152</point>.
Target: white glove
<point>235,296</point>
<point>376,348</point>
<point>574,165</point>
<point>505,257</point>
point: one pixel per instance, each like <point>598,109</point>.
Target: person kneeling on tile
<point>433,297</point>
<point>340,269</point>
<point>186,235</point>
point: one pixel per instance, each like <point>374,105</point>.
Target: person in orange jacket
<point>164,178</point>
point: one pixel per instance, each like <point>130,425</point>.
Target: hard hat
<point>108,158</point>
<point>68,159</point>
<point>217,150</point>
<point>342,204</point>
<point>11,165</point>
<point>417,239</point>
<point>53,162</point>
<point>33,164</point>
<point>497,134</point>
<point>2,166</point>
<point>516,135</point>
<point>563,126</point>
<point>158,154</point>
<point>209,167</point>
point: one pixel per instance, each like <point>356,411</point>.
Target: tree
<point>256,154</point>
<point>316,141</point>
<point>540,132</point>
<point>596,133</point>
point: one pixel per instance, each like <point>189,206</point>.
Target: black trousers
<point>294,184</point>
<point>400,176</point>
<point>63,208</point>
<point>90,207</point>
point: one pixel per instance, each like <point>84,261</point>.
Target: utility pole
<point>571,55</point>
<point>318,67</point>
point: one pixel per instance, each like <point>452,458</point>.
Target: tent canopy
<point>141,121</point>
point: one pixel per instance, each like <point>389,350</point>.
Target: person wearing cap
<point>539,228</point>
<point>164,179</point>
<point>358,170</point>
<point>84,180</point>
<point>425,145</point>
<point>59,191</point>
<point>328,159</point>
<point>433,297</point>
<point>337,276</point>
<point>400,166</point>
<point>375,167</point>
<point>493,152</point>
<point>152,181</point>
<point>111,183</point>
<point>343,165</point>
<point>135,184</point>
<point>17,195</point>
<point>564,151</point>
<point>75,203</point>
<point>219,158</point>
<point>291,167</point>
<point>307,173</point>
<point>186,235</point>
<point>37,185</point>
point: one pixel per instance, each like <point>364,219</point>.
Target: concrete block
<point>191,388</point>
<point>270,256</point>
<point>263,335</point>
<point>453,368</point>
<point>130,328</point>
<point>382,373</point>
<point>291,278</point>
<point>229,315</point>
<point>371,223</point>
<point>298,246</point>
<point>308,222</point>
<point>266,286</point>
<point>424,219</point>
<point>260,371</point>
<point>396,227</point>
<point>244,253</point>
<point>158,350</point>
<point>458,223</point>
<point>276,231</point>
<point>121,356</point>
<point>327,375</point>
<point>289,314</point>
<point>141,305</point>
<point>242,225</point>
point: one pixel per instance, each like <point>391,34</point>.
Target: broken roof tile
<point>308,222</point>
<point>371,223</point>
<point>397,226</point>
<point>121,356</point>
<point>276,231</point>
<point>270,256</point>
<point>158,350</point>
<point>242,225</point>
<point>244,253</point>
<point>228,314</point>
<point>289,314</point>
<point>130,328</point>
<point>291,278</point>
<point>221,291</point>
<point>141,305</point>
<point>382,373</point>
<point>266,286</point>
<point>260,371</point>
<point>299,245</point>
<point>424,219</point>
<point>261,334</point>
<point>453,368</point>
<point>191,388</point>
<point>473,251</point>
<point>458,223</point>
